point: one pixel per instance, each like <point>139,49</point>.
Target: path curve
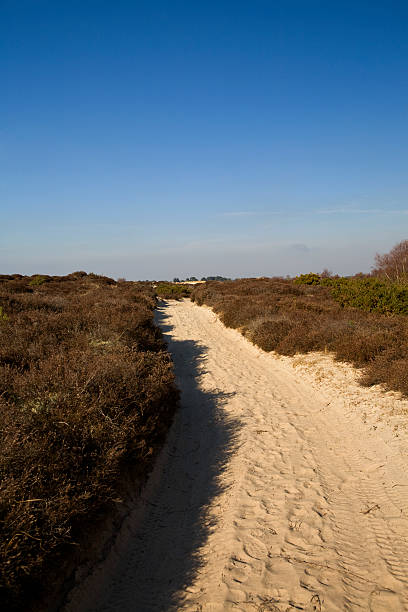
<point>271,493</point>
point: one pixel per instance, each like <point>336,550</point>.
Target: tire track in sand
<point>266,499</point>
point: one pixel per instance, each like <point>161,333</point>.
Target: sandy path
<point>282,487</point>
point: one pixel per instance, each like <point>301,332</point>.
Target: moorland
<point>361,319</point>
<point>87,395</point>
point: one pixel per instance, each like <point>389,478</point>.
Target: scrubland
<point>360,320</point>
<point>87,392</point>
<point>173,291</point>
<point>87,395</point>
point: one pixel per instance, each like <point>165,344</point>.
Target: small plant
<point>3,316</point>
<point>307,279</point>
<point>37,280</point>
<point>170,291</point>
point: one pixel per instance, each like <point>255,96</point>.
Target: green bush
<point>370,294</point>
<point>37,280</point>
<point>307,279</point>
<point>172,291</point>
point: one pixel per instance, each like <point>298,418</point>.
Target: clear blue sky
<point>171,138</point>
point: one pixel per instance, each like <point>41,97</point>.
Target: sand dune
<point>283,486</point>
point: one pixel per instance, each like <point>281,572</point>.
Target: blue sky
<point>172,138</point>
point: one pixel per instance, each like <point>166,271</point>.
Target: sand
<point>283,486</point>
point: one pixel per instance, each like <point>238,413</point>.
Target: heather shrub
<point>269,334</point>
<point>362,345</point>
<point>87,395</point>
<point>359,320</point>
<point>395,372</point>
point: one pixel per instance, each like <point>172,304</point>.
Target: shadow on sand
<point>160,557</point>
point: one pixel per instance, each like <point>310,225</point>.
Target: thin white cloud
<point>239,213</point>
<point>249,213</point>
<point>361,211</point>
<point>341,210</point>
<point>300,247</point>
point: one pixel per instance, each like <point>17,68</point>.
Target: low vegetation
<point>368,293</point>
<point>360,320</point>
<point>173,291</point>
<point>86,395</point>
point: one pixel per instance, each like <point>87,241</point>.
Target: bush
<point>86,392</point>
<point>360,320</point>
<point>37,280</point>
<point>172,291</point>
<point>368,293</point>
<point>269,334</point>
<point>307,279</point>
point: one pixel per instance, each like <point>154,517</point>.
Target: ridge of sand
<point>283,486</point>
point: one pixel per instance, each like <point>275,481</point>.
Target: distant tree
<point>215,278</point>
<point>326,273</point>
<point>176,279</point>
<point>393,265</point>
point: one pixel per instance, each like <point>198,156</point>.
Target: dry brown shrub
<point>269,334</point>
<point>289,318</point>
<point>86,390</point>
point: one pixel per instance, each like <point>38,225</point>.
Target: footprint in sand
<point>385,601</point>
<point>255,549</point>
